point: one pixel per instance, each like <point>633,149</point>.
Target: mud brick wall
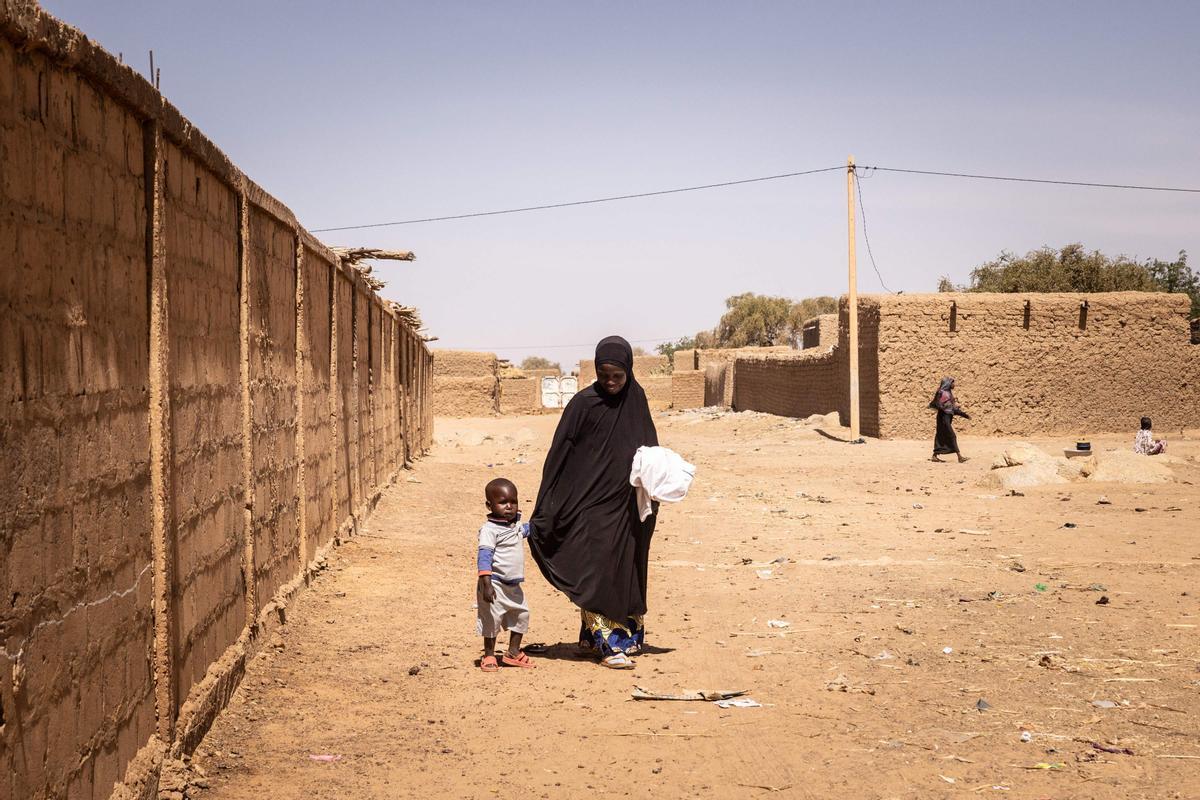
<point>687,389</point>
<point>643,367</point>
<point>520,395</point>
<point>792,386</point>
<point>188,378</point>
<point>463,364</point>
<point>717,364</point>
<point>658,390</point>
<point>1056,367</point>
<point>465,397</point>
<point>1025,364</point>
<point>820,331</point>
<point>76,692</point>
<point>201,231</point>
<point>320,406</point>
<point>465,384</point>
<point>684,361</point>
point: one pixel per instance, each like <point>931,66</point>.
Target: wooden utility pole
<point>852,298</point>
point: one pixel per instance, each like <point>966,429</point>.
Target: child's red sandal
<point>488,664</point>
<point>519,660</point>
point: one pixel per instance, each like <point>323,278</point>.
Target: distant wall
<point>197,397</point>
<point>687,389</point>
<point>717,365</point>
<point>658,390</point>
<point>643,367</point>
<point>1037,363</point>
<point>521,395</point>
<point>820,331</point>
<point>1058,368</point>
<point>684,361</point>
<point>465,384</point>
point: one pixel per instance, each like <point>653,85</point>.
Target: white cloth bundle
<point>661,474</point>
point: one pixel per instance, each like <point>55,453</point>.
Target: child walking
<point>499,597</point>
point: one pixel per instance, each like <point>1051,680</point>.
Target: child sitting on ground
<point>1145,444</point>
<point>500,600</point>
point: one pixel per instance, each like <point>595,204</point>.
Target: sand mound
<point>1022,465</point>
<point>830,420</point>
<point>1020,476</point>
<point>1125,466</point>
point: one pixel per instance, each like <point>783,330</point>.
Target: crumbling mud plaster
<point>1025,363</point>
<point>197,399</point>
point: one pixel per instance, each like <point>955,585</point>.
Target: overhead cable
<point>547,206</point>
<point>1035,180</point>
<point>863,210</point>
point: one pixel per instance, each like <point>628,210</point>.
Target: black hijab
<point>585,534</point>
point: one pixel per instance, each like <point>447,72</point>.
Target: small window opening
<point>953,316</point>
<point>1083,311</point>
<point>1025,322</point>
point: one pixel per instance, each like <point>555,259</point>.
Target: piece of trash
<point>994,595</point>
<point>1015,493</point>
<point>765,574</point>
<point>947,650</point>
<point>1103,748</point>
<point>1047,765</point>
<point>973,532</point>
<point>982,705</point>
<point>778,623</point>
<point>1104,704</point>
<point>324,757</point>
<point>829,558</point>
<point>947,780</point>
<point>780,560</point>
<point>1103,501</point>
<point>918,506</point>
<point>1026,737</point>
<point>884,655</point>
<point>1097,587</point>
<point>1103,601</point>
<point>1017,566</point>
<point>902,629</point>
<point>414,669</point>
<point>1068,524</point>
<point>741,702</point>
<point>1139,510</point>
<point>687,694</point>
<point>1041,587</point>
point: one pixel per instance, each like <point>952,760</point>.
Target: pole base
<point>859,440</point>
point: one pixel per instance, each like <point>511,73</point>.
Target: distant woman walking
<point>945,440</point>
<point>585,533</point>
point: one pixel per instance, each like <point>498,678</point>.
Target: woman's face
<point>611,377</point>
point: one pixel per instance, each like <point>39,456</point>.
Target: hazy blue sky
<point>369,112</point>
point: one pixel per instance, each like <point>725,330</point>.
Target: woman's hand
<point>486,590</point>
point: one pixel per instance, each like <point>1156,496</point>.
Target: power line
<point>861,208</point>
<point>1035,180</point>
<point>743,181</point>
<point>593,201</point>
<point>561,346</point>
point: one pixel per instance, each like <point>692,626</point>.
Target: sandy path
<point>872,590</point>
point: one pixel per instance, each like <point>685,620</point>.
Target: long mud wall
<point>1024,364</point>
<point>1039,363</point>
<point>198,398</point>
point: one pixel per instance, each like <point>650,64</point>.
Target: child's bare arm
<point>486,590</point>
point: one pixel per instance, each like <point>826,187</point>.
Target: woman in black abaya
<point>585,533</point>
<point>945,441</point>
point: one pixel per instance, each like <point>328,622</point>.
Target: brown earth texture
<point>924,625</point>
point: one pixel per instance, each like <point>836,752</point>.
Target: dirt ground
<point>930,623</point>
